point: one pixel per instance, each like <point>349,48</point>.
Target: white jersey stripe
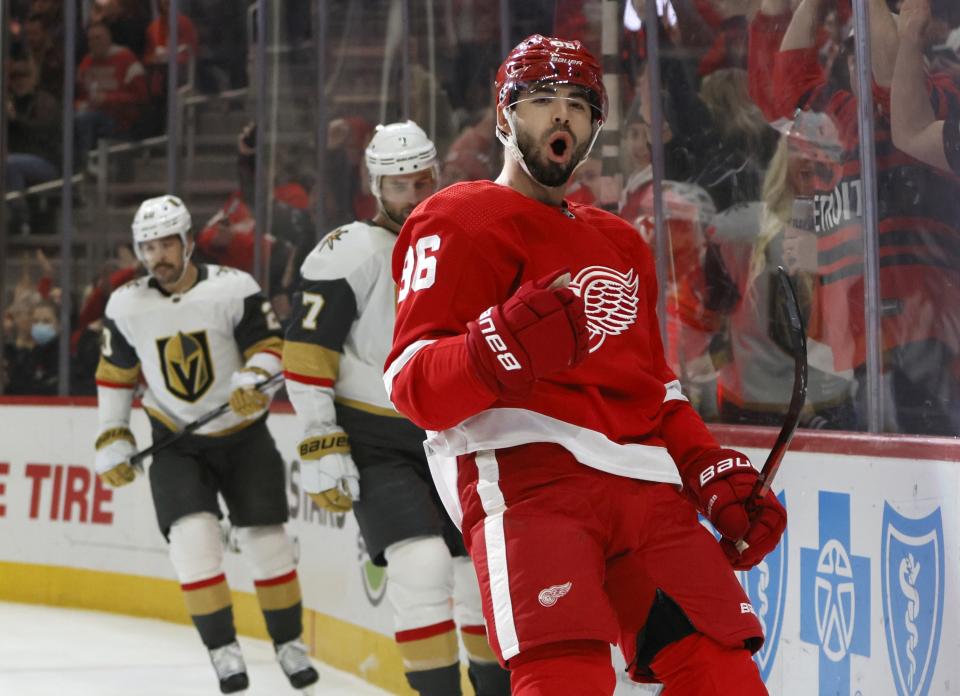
<point>491,497</point>
<point>499,428</point>
<point>402,359</point>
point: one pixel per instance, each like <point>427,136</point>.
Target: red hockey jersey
<point>470,247</point>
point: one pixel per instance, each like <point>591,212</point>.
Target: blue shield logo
<point>913,578</point>
<point>766,585</point>
<point>835,596</point>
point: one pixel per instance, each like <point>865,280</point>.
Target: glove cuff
<point>112,435</point>
<point>318,446</point>
<point>259,371</point>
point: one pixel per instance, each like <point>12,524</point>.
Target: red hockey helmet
<point>542,59</point>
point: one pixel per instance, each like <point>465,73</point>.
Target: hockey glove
<point>328,473</point>
<point>721,482</point>
<point>114,447</point>
<point>245,399</point>
<point>540,330</point>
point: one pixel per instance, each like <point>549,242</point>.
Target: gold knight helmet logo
<point>185,361</point>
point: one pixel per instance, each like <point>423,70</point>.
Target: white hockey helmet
<point>399,148</point>
<point>160,217</point>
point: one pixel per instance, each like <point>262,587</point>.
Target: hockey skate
<point>230,667</point>
<point>295,662</point>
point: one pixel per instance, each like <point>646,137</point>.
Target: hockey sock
<point>699,666</point>
<point>211,608</point>
<point>581,667</point>
<point>486,674</point>
<point>431,659</point>
<point>280,602</point>
<point>489,679</point>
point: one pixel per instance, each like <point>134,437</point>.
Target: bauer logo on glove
<point>316,447</point>
<point>327,471</point>
<point>721,483</point>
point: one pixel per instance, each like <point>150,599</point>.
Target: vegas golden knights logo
<point>185,361</point>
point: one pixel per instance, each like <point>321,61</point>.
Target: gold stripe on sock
<point>430,653</point>
<point>478,649</point>
<point>205,599</point>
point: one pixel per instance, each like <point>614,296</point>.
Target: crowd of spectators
<point>762,169</point>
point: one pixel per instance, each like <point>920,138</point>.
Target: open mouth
<point>559,147</point>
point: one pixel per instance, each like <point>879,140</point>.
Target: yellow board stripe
<point>368,408</point>
<point>108,372</point>
<point>272,343</point>
<point>310,360</point>
<point>343,645</point>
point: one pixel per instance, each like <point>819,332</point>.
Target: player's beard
<point>551,174</point>
<point>398,214</point>
<point>168,273</point>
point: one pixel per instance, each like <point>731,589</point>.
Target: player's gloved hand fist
<point>540,330</point>
<point>114,447</point>
<point>245,399</point>
<point>722,482</point>
<point>327,471</point>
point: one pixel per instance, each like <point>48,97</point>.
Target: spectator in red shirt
<point>155,52</point>
<point>111,90</point>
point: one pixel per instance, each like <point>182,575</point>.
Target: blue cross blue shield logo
<point>835,596</point>
<point>913,582</point>
<point>766,585</point>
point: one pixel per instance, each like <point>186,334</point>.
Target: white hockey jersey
<point>187,346</point>
<point>342,327</point>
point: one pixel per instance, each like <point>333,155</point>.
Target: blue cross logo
<point>835,596</point>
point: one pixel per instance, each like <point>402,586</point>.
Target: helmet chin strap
<point>513,147</point>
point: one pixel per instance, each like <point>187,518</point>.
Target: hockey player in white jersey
<point>358,452</point>
<point>201,335</point>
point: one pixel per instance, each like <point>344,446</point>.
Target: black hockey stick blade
<point>798,340</point>
<point>136,460</point>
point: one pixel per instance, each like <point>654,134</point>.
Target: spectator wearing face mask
<point>33,370</point>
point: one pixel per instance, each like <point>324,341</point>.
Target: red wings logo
<point>549,596</point>
<point>610,300</point>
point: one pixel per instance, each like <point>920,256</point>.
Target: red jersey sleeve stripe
<point>114,385</point>
<point>304,379</point>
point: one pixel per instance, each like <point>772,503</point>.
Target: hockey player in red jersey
<point>527,345</point>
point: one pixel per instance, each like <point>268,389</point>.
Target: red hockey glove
<point>721,482</point>
<point>540,330</point>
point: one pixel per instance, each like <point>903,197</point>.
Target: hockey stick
<point>136,460</point>
<point>798,338</point>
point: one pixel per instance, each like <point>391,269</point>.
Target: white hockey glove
<point>245,399</point>
<point>327,471</point>
<point>114,447</point>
